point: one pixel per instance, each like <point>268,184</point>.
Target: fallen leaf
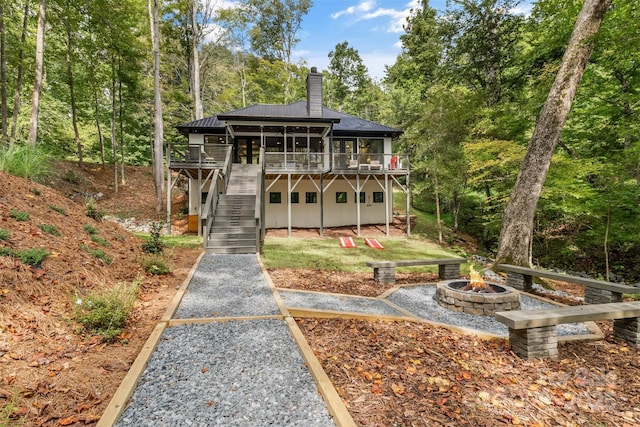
<point>398,389</point>
<point>484,396</point>
<point>67,421</point>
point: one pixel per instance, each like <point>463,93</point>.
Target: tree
<point>515,236</point>
<point>3,76</point>
<point>274,35</point>
<point>348,76</point>
<point>157,106</point>
<point>35,100</point>
<point>20,71</point>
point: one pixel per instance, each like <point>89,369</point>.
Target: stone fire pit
<point>451,294</point>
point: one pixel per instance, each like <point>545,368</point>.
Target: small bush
<point>98,253</point>
<point>19,215</point>
<point>92,211</point>
<point>71,177</point>
<point>58,209</point>
<point>35,191</point>
<point>90,229</point>
<point>5,251</point>
<point>99,240</point>
<point>25,161</point>
<point>33,257</point>
<point>105,313</point>
<point>155,264</point>
<point>154,245</point>
<point>51,229</point>
<point>5,234</point>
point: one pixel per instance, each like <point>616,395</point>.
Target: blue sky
<point>372,27</point>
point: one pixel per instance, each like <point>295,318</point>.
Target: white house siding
<point>307,215</point>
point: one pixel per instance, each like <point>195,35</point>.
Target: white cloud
<point>367,10</point>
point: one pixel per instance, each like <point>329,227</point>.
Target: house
<point>314,167</point>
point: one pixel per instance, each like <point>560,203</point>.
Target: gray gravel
<point>337,303</point>
<point>420,301</point>
<point>236,373</point>
<point>230,373</point>
<point>227,286</point>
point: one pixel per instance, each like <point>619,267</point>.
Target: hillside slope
<point>50,373</point>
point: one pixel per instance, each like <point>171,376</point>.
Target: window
<point>363,197</point>
<point>311,197</point>
<point>341,197</point>
<point>275,197</point>
<point>295,197</point>
<point>214,139</point>
<point>378,197</point>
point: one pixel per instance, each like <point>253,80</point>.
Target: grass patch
<point>19,215</point>
<point>155,264</point>
<point>99,240</point>
<point>58,209</point>
<point>182,241</point>
<point>49,229</point>
<point>6,251</point>
<point>5,235</point>
<point>90,229</point>
<point>33,257</point>
<point>25,161</point>
<point>326,253</point>
<point>105,312</point>
<point>98,254</point>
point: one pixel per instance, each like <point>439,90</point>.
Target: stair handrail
<point>210,205</point>
<point>259,207</point>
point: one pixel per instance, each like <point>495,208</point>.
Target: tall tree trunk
<point>196,61</point>
<point>123,179</point>
<point>98,127</point>
<point>35,100</point>
<point>3,77</point>
<point>158,176</point>
<point>114,141</point>
<point>72,95</point>
<point>517,226</point>
<point>16,98</point>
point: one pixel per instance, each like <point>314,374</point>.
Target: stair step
<point>232,250</point>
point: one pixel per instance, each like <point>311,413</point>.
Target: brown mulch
<point>51,373</point>
<point>413,374</point>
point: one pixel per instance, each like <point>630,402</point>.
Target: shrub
<point>5,234</point>
<point>6,251</point>
<point>154,245</point>
<point>92,211</point>
<point>51,229</point>
<point>19,215</point>
<point>33,257</point>
<point>98,253</point>
<point>58,209</point>
<point>90,229</point>
<point>105,313</point>
<point>25,161</point>
<point>71,177</point>
<point>155,264</point>
<point>35,191</point>
<point>99,240</point>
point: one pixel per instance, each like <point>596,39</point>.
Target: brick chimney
<point>314,93</point>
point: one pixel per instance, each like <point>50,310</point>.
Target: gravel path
<point>231,373</point>
<point>319,301</point>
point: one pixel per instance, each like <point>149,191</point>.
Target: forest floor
<point>388,373</point>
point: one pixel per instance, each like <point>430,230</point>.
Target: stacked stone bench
<point>595,291</point>
<point>384,272</point>
<point>532,333</point>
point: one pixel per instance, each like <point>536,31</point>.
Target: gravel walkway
<point>232,373</point>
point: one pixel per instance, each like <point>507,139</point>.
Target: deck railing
<point>370,162</point>
<point>198,155</point>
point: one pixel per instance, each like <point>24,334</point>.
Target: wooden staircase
<point>234,229</point>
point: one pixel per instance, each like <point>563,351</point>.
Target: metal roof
<point>343,124</point>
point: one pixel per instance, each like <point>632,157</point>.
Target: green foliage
<point>58,209</point>
<point>19,215</point>
<point>90,229</point>
<point>50,229</point>
<point>35,191</point>
<point>98,254</point>
<point>99,240</point>
<point>92,211</point>
<point>7,411</point>
<point>105,312</point>
<point>155,244</point>
<point>71,177</point>
<point>7,251</point>
<point>155,264</point>
<point>5,234</point>
<point>33,257</point>
<point>25,161</point>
